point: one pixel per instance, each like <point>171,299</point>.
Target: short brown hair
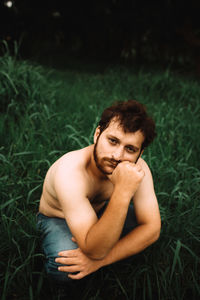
<point>132,116</point>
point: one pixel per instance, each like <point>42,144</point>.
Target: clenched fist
<point>127,176</point>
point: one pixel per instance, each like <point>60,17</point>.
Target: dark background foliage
<point>140,32</point>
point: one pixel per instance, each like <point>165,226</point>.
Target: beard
<point>100,163</point>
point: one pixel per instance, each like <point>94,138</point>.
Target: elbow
<point>156,234</point>
<point>153,233</point>
<point>94,251</point>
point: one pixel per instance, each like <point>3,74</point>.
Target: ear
<point>96,134</point>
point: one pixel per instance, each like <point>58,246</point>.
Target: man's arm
<point>148,219</point>
<point>76,261</point>
<point>97,237</point>
<point>134,242</point>
<point>147,232</point>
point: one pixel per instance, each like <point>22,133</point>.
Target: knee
<point>54,274</point>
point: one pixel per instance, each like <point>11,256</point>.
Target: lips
<point>112,165</point>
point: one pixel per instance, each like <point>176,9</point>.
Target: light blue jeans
<point>56,237</point>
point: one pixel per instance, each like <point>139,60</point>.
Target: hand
<point>127,176</point>
<point>77,261</point>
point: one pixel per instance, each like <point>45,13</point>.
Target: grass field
<point>45,114</point>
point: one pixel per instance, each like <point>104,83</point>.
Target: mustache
<point>112,161</point>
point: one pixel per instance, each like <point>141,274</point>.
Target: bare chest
<point>100,194</point>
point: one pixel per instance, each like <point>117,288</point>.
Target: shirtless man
<point>80,234</point>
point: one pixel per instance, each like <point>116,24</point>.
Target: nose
<point>118,154</point>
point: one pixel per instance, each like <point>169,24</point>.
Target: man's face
<point>113,146</point>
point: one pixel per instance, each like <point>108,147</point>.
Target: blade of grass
<point>176,258</point>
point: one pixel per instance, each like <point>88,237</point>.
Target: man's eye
<point>112,141</point>
<point>130,149</point>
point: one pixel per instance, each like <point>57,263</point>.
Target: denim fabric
<point>56,237</point>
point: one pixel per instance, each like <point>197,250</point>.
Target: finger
<point>66,260</point>
<point>73,240</point>
<point>139,169</point>
<point>69,269</point>
<point>109,176</point>
<point>68,253</point>
<point>142,172</point>
<point>76,276</point>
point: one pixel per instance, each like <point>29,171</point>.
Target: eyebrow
<point>129,145</point>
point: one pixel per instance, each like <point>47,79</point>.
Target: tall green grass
<point>45,114</point>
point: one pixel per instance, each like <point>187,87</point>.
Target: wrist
<point>122,192</point>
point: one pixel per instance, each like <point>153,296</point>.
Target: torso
<point>97,191</point>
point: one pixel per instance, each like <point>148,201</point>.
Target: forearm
<point>137,240</point>
<point>134,242</point>
<point>103,235</point>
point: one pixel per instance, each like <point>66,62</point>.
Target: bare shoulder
<point>145,168</point>
<point>68,163</point>
<point>146,186</point>
<point>70,168</point>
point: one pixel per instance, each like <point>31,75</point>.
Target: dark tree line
<point>143,31</point>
